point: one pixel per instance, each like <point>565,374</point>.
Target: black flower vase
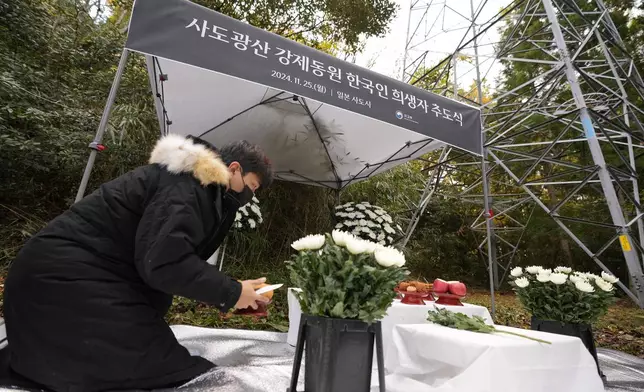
<point>339,355</point>
<point>582,331</point>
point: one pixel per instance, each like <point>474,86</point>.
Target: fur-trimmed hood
<point>179,154</point>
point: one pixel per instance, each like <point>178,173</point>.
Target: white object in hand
<point>269,288</point>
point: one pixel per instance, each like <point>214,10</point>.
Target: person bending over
<point>86,297</point>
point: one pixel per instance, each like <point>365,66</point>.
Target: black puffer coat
<point>86,297</point>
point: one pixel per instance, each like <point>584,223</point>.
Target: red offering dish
<point>449,299</point>
<point>413,297</point>
<point>261,311</point>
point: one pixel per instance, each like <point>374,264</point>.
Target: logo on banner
<point>402,116</point>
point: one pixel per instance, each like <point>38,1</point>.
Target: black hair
<point>251,158</point>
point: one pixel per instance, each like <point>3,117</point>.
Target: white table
<point>432,358</point>
<point>294,315</point>
<point>398,313</point>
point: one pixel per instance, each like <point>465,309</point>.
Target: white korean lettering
<point>261,46</point>
<point>422,104</point>
<point>218,35</point>
<point>447,114</point>
<point>318,68</point>
<point>241,40</point>
<point>201,29</point>
<point>335,74</point>
<point>411,101</point>
<point>458,117</point>
<point>354,80</point>
<point>398,96</point>
<point>382,90</point>
<point>436,109</point>
<point>367,85</point>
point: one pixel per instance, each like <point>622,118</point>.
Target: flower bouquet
<point>248,217</point>
<point>564,301</point>
<point>366,221</point>
<point>346,285</point>
<point>563,295</point>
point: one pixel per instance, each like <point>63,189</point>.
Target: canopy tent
<point>322,121</point>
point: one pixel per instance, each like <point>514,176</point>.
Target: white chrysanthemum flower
<point>604,285</point>
<point>340,237</point>
<point>516,272</point>
<point>558,278</point>
<point>389,229</point>
<point>577,278</point>
<point>390,239</point>
<point>543,278</point>
<point>361,207</point>
<point>379,211</point>
<point>522,282</point>
<point>339,226</point>
<point>585,287</point>
<point>244,210</point>
<point>379,219</point>
<point>252,223</point>
<point>592,276</point>
<point>254,199</point>
<point>546,271</point>
<point>534,270</point>
<point>357,246</point>
<point>310,242</point>
<point>362,222</point>
<point>255,209</point>
<point>355,231</point>
<point>609,278</point>
<point>388,257</point>
<point>387,219</point>
<point>366,203</point>
<point>238,216</point>
<point>360,215</point>
<point>381,236</point>
<point>563,270</point>
<point>350,209</point>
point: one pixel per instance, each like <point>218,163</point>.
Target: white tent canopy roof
<point>322,121</point>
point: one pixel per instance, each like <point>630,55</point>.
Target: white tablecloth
<point>400,313</point>
<point>432,358</point>
<point>294,315</point>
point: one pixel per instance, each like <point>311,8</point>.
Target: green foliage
<point>336,283</point>
<point>322,24</point>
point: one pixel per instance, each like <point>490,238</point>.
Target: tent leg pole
<point>103,125</point>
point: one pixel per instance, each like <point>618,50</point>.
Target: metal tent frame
<point>182,36</point>
<point>574,128</point>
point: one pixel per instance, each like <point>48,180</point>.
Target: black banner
<point>189,33</point>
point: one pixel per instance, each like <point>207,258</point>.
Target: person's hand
<point>248,297</point>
